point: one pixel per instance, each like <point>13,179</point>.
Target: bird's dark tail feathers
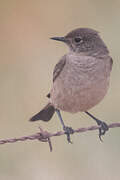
<point>45,114</point>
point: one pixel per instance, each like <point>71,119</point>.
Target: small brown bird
<point>80,78</point>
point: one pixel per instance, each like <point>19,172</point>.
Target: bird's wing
<point>57,70</point>
<point>111,63</point>
<point>59,67</point>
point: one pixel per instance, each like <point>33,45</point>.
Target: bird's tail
<point>45,114</point>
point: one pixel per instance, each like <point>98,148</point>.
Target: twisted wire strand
<point>45,136</point>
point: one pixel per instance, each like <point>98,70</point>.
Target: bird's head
<point>83,40</point>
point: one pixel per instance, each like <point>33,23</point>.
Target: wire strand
<point>45,136</point>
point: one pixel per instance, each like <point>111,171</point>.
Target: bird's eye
<point>77,40</point>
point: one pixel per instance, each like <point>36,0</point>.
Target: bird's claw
<point>68,132</point>
<point>103,128</point>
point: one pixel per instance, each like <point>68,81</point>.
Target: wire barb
<point>45,136</point>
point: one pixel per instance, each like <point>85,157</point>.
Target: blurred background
<point>27,59</point>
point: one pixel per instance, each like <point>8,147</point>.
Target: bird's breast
<point>81,85</point>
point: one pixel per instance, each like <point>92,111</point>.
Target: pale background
<point>27,59</point>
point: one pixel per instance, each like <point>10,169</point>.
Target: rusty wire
<point>45,136</point>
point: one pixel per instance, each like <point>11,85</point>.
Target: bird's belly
<point>81,85</point>
<point>78,95</point>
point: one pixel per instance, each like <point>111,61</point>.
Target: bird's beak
<point>58,39</point>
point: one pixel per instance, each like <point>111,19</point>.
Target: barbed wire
<point>45,136</point>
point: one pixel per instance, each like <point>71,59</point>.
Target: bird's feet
<point>68,132</point>
<point>103,128</point>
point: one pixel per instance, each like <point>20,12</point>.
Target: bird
<point>80,78</point>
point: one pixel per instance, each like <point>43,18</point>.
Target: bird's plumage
<point>81,77</point>
<point>45,114</point>
<point>59,67</point>
<point>82,83</point>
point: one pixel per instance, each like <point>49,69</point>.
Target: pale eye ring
<point>77,39</point>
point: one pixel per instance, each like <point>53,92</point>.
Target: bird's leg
<point>103,126</point>
<point>68,130</point>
